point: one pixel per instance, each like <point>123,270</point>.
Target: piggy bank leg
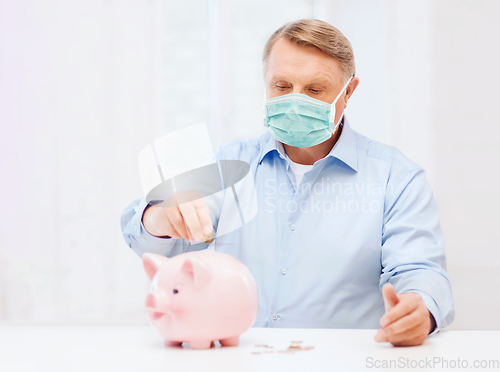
<point>172,343</point>
<point>232,341</point>
<point>200,344</point>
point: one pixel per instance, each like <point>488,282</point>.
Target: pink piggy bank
<point>199,297</point>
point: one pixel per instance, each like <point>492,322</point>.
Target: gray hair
<point>322,35</point>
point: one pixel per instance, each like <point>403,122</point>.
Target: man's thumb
<point>390,296</point>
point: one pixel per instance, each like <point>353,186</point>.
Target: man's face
<point>307,70</point>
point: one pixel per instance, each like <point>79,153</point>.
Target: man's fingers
<point>401,309</point>
<point>204,218</point>
<point>410,337</point>
<point>408,334</point>
<point>403,324</point>
<point>177,222</point>
<point>190,216</point>
<point>172,232</point>
<point>194,211</point>
<point>390,296</point>
<point>419,340</point>
<point>406,324</point>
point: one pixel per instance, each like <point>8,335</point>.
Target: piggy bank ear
<point>198,270</point>
<point>151,263</point>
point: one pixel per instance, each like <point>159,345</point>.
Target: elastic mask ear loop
<point>332,107</point>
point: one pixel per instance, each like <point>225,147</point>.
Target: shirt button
<point>275,316</point>
<point>283,271</point>
<point>292,227</point>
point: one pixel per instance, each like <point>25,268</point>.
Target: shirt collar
<point>344,150</point>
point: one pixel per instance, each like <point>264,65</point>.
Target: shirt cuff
<point>432,307</point>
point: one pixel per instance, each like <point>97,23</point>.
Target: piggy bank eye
<point>176,291</point>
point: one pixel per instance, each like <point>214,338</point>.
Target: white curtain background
<point>85,85</point>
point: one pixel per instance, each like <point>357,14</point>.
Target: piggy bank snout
<point>156,304</point>
<point>156,301</point>
<point>151,301</point>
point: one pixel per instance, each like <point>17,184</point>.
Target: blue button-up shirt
<point>364,215</point>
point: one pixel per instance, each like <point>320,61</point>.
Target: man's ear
<point>152,263</point>
<point>350,89</point>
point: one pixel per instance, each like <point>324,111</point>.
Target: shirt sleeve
<point>413,257</point>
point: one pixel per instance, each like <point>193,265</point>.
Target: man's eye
<point>315,91</point>
<point>282,87</point>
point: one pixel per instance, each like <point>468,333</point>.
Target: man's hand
<point>406,321</point>
<point>184,215</point>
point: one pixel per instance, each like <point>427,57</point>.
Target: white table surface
<point>140,348</point>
